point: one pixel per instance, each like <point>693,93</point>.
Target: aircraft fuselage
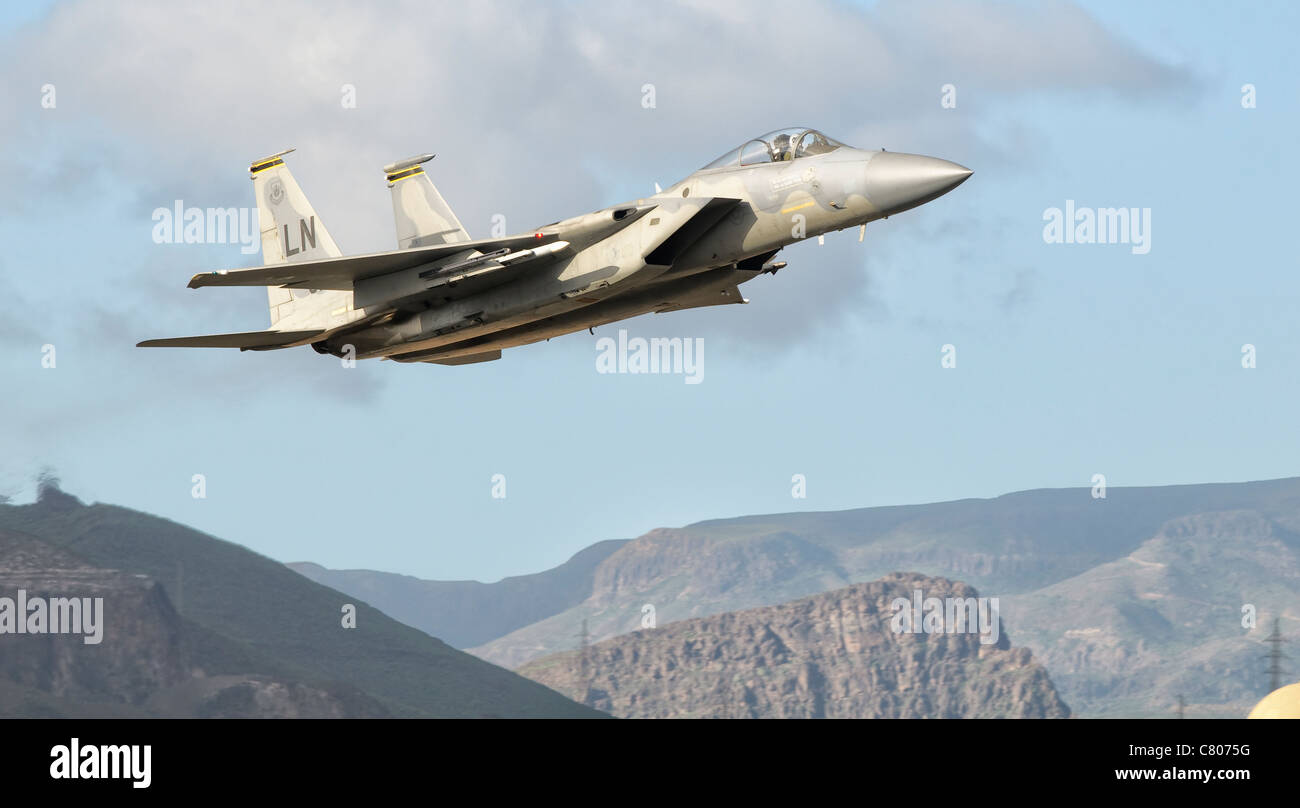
<point>633,270</point>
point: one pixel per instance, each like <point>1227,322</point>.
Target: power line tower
<point>1182,705</point>
<point>1275,656</point>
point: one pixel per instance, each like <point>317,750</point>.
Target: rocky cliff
<point>153,664</point>
<point>833,655</point>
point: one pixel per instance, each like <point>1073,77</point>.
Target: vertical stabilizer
<point>291,231</point>
<point>423,218</point>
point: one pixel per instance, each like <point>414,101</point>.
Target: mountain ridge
<point>441,608</point>
<point>1013,546</point>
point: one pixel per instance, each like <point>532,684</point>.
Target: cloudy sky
<point>1072,359</point>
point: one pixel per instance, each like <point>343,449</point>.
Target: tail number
<point>306,236</point>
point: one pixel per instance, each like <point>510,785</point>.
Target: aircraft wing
<point>343,273</point>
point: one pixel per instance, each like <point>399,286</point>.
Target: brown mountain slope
<point>833,655</point>
<point>1170,619</point>
<point>251,637</point>
<point>150,661</point>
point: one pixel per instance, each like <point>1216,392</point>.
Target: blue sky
<point>1072,360</point>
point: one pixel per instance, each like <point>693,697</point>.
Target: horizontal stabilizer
<point>248,340</point>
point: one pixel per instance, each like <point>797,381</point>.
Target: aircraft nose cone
<point>897,182</point>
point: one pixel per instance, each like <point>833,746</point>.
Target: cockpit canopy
<point>777,147</point>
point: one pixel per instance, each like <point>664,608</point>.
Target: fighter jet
<point>448,299</point>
